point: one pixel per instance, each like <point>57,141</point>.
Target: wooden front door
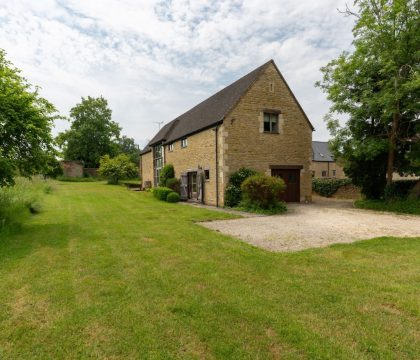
<point>291,178</point>
<point>192,186</point>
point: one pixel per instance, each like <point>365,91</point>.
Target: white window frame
<point>184,143</point>
<point>171,147</point>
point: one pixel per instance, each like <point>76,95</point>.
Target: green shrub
<point>117,168</point>
<point>161,193</point>
<point>399,189</point>
<point>166,173</point>
<point>262,191</point>
<point>328,187</point>
<point>173,184</point>
<point>397,205</point>
<point>233,192</point>
<point>173,197</point>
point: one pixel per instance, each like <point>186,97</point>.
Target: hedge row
<point>328,187</point>
<point>165,194</point>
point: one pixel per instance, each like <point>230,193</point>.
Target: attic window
<point>271,122</point>
<point>271,87</point>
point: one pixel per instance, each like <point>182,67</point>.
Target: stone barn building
<point>256,122</point>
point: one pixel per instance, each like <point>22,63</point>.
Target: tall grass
<point>18,202</point>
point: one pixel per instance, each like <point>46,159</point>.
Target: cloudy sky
<point>153,60</point>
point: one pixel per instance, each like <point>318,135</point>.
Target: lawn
<point>106,273</point>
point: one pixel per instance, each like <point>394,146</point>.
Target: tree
<point>129,147</point>
<point>377,87</point>
<point>26,120</point>
<point>117,168</point>
<point>92,133</point>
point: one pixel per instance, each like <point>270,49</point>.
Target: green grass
<point>103,272</point>
<point>402,206</point>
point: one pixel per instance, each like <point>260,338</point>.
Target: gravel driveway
<point>319,224</point>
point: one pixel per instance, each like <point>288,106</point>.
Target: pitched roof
<point>321,152</point>
<point>211,111</point>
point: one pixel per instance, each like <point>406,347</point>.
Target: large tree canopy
<point>92,133</point>
<point>377,87</point>
<point>26,120</point>
<point>129,147</point>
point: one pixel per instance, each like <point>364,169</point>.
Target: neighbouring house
<point>72,168</point>
<point>323,162</point>
<point>256,122</point>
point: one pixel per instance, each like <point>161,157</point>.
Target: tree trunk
<point>392,143</point>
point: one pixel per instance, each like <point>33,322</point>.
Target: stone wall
<point>146,169</point>
<point>72,169</point>
<point>319,166</point>
<point>245,143</point>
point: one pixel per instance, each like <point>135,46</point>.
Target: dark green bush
<point>167,172</point>
<point>233,192</point>
<point>399,189</point>
<point>328,187</point>
<point>397,205</point>
<point>173,197</point>
<point>173,184</point>
<point>161,192</point>
<point>262,191</point>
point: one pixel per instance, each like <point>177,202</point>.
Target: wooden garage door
<point>292,179</point>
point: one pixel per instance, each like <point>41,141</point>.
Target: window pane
<point>267,126</point>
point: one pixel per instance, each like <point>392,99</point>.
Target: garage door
<point>292,179</point>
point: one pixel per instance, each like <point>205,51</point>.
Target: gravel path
<point>316,225</point>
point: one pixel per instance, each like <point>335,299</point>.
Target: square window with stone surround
<point>271,123</point>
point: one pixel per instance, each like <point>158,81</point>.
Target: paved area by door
<point>316,225</point>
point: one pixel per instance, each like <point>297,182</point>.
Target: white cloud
<point>153,61</point>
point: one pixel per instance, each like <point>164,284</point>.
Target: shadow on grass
<point>20,241</point>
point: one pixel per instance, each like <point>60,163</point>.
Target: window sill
<point>271,133</point>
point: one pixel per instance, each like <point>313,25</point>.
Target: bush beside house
<point>262,193</point>
<point>233,192</point>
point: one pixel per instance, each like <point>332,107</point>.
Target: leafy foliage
<point>173,184</point>
<point>129,147</point>
<point>92,133</point>
<point>328,187</point>
<point>262,191</point>
<point>167,173</point>
<point>377,87</point>
<point>399,189</point>
<point>161,192</point>
<point>233,192</point>
<point>119,167</point>
<point>26,120</point>
<point>173,197</point>
<point>397,205</point>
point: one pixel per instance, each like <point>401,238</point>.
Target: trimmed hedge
<point>328,187</point>
<point>161,193</point>
<point>173,197</point>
